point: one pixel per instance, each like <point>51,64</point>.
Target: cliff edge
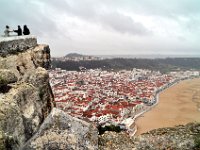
<point>28,119</point>
<point>25,94</point>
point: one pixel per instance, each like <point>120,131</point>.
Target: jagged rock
<point>62,131</point>
<point>182,137</point>
<point>115,141</point>
<point>6,77</point>
<point>2,141</point>
<point>16,44</point>
<point>22,111</point>
<point>27,61</point>
<point>7,142</point>
<point>25,106</point>
<point>41,58</point>
<point>29,99</point>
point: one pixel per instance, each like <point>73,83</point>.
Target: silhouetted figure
<point>7,31</point>
<point>26,30</point>
<point>18,31</point>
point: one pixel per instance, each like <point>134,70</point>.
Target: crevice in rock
<point>5,89</point>
<point>11,143</point>
<point>18,69</point>
<point>28,128</point>
<point>32,59</point>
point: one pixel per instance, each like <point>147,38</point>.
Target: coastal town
<point>109,97</point>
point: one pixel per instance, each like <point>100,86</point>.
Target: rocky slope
<point>174,138</point>
<point>180,137</point>
<point>62,131</point>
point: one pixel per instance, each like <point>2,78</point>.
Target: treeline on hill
<point>163,65</point>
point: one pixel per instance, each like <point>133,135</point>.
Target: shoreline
<point>140,114</point>
<point>194,100</point>
<point>154,105</point>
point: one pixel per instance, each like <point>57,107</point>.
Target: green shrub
<point>197,141</point>
<point>109,128</point>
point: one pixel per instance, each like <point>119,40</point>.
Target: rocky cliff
<point>27,118</point>
<point>25,95</point>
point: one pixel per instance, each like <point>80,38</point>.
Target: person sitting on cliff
<point>7,31</point>
<point>26,30</point>
<point>18,31</point>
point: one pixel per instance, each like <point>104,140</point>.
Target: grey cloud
<point>158,7</point>
<point>193,25</point>
<point>59,5</point>
<point>83,9</point>
<point>123,24</point>
<point>115,16</point>
<point>93,11</point>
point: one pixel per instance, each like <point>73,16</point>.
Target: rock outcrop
<point>62,131</point>
<point>116,141</point>
<point>25,94</point>
<point>28,120</point>
<point>182,137</point>
<point>13,45</point>
<point>7,77</point>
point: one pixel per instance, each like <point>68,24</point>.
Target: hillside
<point>74,55</point>
<point>163,65</point>
<point>174,138</point>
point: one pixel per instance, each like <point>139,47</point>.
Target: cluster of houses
<point>76,58</point>
<point>108,97</point>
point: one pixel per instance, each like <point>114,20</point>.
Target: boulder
<point>6,77</point>
<point>27,61</point>
<point>62,131</point>
<point>112,140</point>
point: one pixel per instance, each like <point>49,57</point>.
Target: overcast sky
<point>109,27</point>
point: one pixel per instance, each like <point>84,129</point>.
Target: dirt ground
<point>179,104</point>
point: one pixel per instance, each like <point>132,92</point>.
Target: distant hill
<point>163,65</point>
<point>74,55</point>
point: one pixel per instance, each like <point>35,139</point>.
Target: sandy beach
<point>179,104</point>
